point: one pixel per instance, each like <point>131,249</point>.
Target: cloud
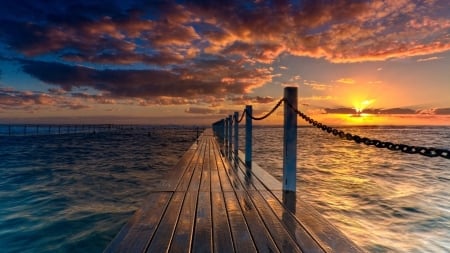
<point>340,110</point>
<point>205,78</point>
<point>346,81</point>
<point>434,58</point>
<point>200,110</point>
<point>11,99</point>
<point>247,100</point>
<point>315,85</point>
<point>169,52</point>
<point>339,31</point>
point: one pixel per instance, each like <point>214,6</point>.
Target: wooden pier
<point>214,204</point>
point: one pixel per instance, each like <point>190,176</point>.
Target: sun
<point>360,106</point>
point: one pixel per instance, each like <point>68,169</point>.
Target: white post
<point>236,133</point>
<point>290,140</point>
<point>230,134</point>
<point>248,136</point>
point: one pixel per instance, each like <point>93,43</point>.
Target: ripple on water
<point>73,193</point>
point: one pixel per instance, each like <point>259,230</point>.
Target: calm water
<point>73,192</point>
<point>384,201</point>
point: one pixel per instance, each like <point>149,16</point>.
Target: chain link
<point>269,113</point>
<point>242,116</point>
<point>425,151</point>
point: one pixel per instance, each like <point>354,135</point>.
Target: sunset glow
<point>193,63</point>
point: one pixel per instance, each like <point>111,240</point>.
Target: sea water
<point>72,192</point>
<point>384,201</point>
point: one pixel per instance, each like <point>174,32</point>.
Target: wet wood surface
<point>211,203</point>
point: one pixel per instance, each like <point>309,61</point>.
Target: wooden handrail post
<point>236,133</point>
<point>248,136</point>
<point>290,140</point>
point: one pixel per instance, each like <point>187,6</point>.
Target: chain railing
<point>425,151</point>
<point>269,113</point>
<point>223,127</point>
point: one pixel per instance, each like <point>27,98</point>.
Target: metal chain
<point>242,116</point>
<point>425,151</point>
<point>269,113</point>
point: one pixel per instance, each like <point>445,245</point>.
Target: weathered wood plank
<point>163,235</point>
<point>194,184</point>
<point>185,180</point>
<point>182,238</point>
<point>205,184</point>
<point>267,180</point>
<point>278,231</point>
<point>261,236</point>
<point>223,177</point>
<point>242,238</point>
<point>294,228</point>
<point>139,230</point>
<point>329,237</point>
<point>275,229</point>
<point>203,224</point>
<point>221,227</point>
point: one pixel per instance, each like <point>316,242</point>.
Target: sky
<point>194,62</point>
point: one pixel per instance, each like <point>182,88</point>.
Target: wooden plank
<point>203,224</point>
<point>329,237</point>
<point>182,238</point>
<point>136,234</point>
<point>242,238</point>
<point>205,184</point>
<point>186,178</point>
<point>215,180</point>
<point>268,181</point>
<point>221,227</point>
<point>303,238</point>
<point>194,185</point>
<point>223,177</point>
<point>163,235</point>
<point>276,228</point>
<point>261,236</point>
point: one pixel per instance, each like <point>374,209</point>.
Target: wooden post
<point>248,136</point>
<point>230,134</point>
<point>290,140</point>
<point>236,133</point>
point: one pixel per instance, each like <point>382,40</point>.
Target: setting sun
<point>360,106</point>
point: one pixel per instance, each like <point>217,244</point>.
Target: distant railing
<point>51,129</point>
<point>223,130</point>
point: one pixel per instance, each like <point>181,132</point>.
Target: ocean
<point>384,201</point>
<point>73,191</point>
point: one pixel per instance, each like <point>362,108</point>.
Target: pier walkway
<point>209,204</point>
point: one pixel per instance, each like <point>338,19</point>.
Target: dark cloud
<point>217,77</point>
<point>340,110</point>
<point>442,111</point>
<point>200,110</point>
<point>396,111</point>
